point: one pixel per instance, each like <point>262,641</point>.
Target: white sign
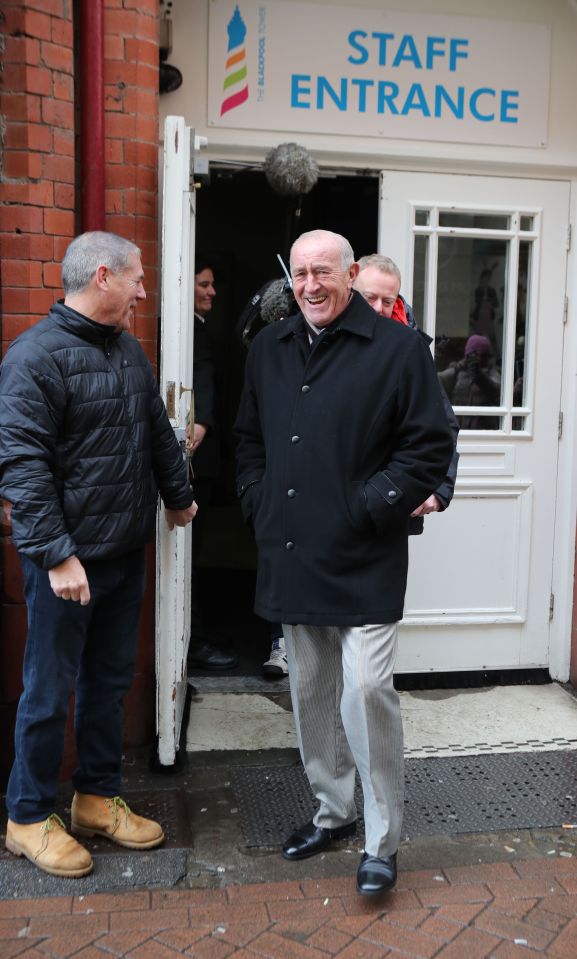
<point>277,65</point>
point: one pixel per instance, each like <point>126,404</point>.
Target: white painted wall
<point>558,158</point>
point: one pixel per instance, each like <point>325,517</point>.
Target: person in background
<point>203,444</point>
<point>484,312</point>
<point>341,435</point>
<point>475,381</point>
<point>85,448</point>
<point>379,282</point>
<point>272,303</point>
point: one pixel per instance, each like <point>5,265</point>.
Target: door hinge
<point>569,235</point>
<point>565,309</point>
<point>560,425</point>
<point>551,606</point>
<point>170,402</point>
<point>198,169</point>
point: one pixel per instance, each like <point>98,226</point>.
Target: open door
<point>173,549</point>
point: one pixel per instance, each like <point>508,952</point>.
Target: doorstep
<point>440,722</point>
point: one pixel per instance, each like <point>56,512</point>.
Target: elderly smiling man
<point>341,434</point>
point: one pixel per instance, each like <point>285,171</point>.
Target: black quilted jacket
<point>85,442</point>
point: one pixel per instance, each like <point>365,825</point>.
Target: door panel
<point>173,549</point>
<point>485,257</point>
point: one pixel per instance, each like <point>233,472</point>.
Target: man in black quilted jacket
<point>85,449</point>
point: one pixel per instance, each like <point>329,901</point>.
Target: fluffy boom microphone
<point>277,302</point>
<point>273,302</point>
<point>290,169</point>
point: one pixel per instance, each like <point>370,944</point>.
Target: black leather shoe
<point>310,839</point>
<point>209,657</point>
<point>376,876</point>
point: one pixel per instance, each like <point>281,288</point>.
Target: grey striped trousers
<point>348,714</point>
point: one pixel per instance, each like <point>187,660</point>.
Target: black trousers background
<point>203,488</point>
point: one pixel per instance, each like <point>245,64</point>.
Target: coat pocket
<point>385,514</point>
<point>249,502</point>
<point>360,515</point>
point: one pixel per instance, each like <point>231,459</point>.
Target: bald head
<point>323,270</point>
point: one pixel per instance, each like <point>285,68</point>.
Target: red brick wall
<point>38,218</point>
<point>37,192</point>
<point>131,184</point>
<point>131,141</point>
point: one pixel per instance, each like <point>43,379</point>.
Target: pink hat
<point>477,344</point>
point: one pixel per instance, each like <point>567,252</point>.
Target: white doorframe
<point>173,549</point>
<point>566,512</point>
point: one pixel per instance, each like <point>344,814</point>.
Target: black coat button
<point>289,545</point>
<point>295,439</point>
<point>305,389</point>
<point>291,493</point>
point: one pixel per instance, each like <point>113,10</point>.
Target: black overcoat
<point>337,442</point>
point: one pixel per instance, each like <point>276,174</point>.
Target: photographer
<point>474,381</point>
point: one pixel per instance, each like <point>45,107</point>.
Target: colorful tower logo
<point>235,82</point>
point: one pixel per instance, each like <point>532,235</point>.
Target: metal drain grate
<point>463,794</point>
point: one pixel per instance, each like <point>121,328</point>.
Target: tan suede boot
<point>111,818</point>
<point>49,846</point>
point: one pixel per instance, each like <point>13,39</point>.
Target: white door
<point>486,256</point>
<point>173,549</point>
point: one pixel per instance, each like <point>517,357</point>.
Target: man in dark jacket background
<point>85,448</point>
<point>379,281</point>
<point>341,435</point>
<point>203,442</point>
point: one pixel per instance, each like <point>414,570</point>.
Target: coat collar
<point>82,325</point>
<point>357,317</point>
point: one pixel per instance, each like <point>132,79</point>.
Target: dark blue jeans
<point>92,650</point>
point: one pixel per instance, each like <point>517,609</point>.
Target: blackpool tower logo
<point>235,82</point>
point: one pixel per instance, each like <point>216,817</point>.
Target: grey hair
<point>89,251</point>
<point>382,263</point>
<point>347,255</point>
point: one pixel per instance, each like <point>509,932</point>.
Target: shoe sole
<point>274,672</point>
<point>89,833</point>
<point>306,855</point>
<point>377,892</point>
<point>346,834</point>
<point>17,850</point>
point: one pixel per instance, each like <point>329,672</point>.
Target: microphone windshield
<point>277,302</point>
<point>290,169</point>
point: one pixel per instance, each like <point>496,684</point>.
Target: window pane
<point>526,222</point>
<point>477,221</point>
<point>420,278</point>
<point>521,329</point>
<point>479,422</point>
<point>519,423</point>
<point>421,217</point>
<point>471,285</point>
